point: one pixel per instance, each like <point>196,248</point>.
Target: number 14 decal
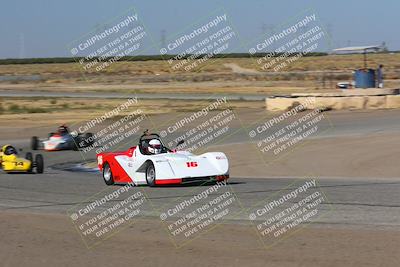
<point>191,164</point>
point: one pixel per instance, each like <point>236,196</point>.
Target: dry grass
<point>54,111</point>
<point>151,67</point>
<point>215,77</point>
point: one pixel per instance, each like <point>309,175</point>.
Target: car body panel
<point>11,163</point>
<point>58,142</point>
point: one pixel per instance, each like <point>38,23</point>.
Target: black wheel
<point>39,163</point>
<point>75,144</point>
<point>34,143</point>
<point>151,174</point>
<point>107,174</point>
<point>88,139</point>
<point>29,157</point>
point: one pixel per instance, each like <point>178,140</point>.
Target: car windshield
<point>144,143</point>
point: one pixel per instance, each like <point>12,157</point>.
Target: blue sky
<point>44,28</point>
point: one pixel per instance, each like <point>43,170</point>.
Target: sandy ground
<point>345,157</point>
<point>51,240</point>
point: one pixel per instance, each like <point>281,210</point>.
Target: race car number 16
<point>191,164</point>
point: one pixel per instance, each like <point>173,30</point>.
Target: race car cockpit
<point>151,144</point>
<point>9,150</point>
<point>63,130</point>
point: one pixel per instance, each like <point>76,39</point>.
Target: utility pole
<point>21,45</point>
<point>163,39</point>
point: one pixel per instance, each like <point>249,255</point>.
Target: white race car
<point>63,139</point>
<point>151,163</point>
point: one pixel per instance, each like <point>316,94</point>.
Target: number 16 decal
<point>191,164</point>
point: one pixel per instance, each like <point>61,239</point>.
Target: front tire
<point>39,163</point>
<point>75,144</point>
<point>88,138</point>
<point>151,175</point>
<point>107,174</point>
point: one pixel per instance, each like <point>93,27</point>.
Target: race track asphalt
<point>351,201</point>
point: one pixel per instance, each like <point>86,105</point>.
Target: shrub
<point>14,108</point>
<point>36,110</point>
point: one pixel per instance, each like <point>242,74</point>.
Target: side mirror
<point>180,142</point>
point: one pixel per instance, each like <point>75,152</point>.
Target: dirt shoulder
<point>359,156</point>
<point>51,240</point>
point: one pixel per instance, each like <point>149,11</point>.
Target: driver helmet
<point>9,150</point>
<point>154,146</point>
<point>63,129</point>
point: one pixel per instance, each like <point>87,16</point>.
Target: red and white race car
<point>151,163</point>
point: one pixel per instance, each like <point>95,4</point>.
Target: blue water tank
<point>364,78</point>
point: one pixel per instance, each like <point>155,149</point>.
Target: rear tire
<point>88,139</point>
<point>151,175</point>
<point>107,174</point>
<point>34,142</point>
<point>39,163</point>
